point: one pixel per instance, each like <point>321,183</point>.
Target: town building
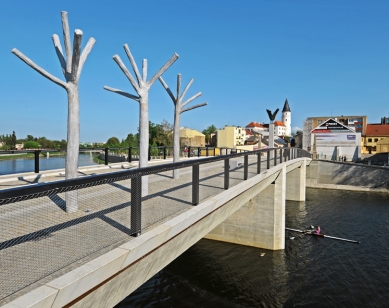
<point>231,136</point>
<point>191,137</point>
<point>286,119</point>
<point>355,123</point>
<point>334,141</point>
<point>376,139</point>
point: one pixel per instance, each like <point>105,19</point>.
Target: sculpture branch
<point>167,89</point>
<point>126,72</point>
<point>163,69</point>
<point>133,63</point>
<point>58,50</point>
<point>136,98</point>
<point>40,70</point>
<point>191,99</point>
<point>84,55</point>
<point>76,53</point>
<point>187,87</point>
<point>178,88</point>
<point>194,107</point>
<point>66,39</point>
<point>144,71</point>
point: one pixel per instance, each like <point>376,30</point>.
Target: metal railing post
<point>246,168</point>
<point>195,184</point>
<point>106,156</point>
<point>288,154</point>
<point>259,162</point>
<point>226,173</point>
<point>36,156</point>
<point>198,152</point>
<point>129,154</point>
<point>280,155</point>
<point>268,159</point>
<point>214,151</point>
<point>149,158</point>
<point>136,206</point>
<point>206,151</point>
<point>275,157</point>
<point>164,152</point>
<point>189,152</point>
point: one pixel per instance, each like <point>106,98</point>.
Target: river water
<point>11,166</point>
<point>310,272</point>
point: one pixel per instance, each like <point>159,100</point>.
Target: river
<point>310,272</point>
<point>20,165</point>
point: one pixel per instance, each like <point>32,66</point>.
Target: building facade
<point>375,139</point>
<point>191,137</point>
<point>287,119</point>
<point>231,136</point>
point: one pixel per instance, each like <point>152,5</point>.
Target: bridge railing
<point>127,154</point>
<point>38,237</point>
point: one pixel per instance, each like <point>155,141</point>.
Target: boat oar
<point>333,237</point>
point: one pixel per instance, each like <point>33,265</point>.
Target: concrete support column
<point>296,183</point>
<point>260,222</point>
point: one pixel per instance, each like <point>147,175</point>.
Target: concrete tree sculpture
<point>71,66</point>
<point>142,87</point>
<point>178,109</point>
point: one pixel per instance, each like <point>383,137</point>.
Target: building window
<point>375,139</point>
<point>369,140</point>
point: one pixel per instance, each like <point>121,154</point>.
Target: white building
<point>287,119</point>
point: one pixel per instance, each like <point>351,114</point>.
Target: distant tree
<point>112,142</point>
<point>164,135</point>
<point>30,138</point>
<point>208,131</point>
<point>63,144</point>
<point>31,145</point>
<point>13,140</point>
<point>130,141</point>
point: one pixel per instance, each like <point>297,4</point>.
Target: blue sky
<point>328,57</point>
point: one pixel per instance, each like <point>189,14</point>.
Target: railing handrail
<point>92,180</point>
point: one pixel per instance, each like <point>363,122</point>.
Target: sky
<point>327,57</point>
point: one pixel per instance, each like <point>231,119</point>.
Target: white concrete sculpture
<point>178,105</point>
<point>142,87</point>
<point>71,68</point>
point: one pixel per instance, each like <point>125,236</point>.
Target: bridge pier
<point>296,182</point>
<point>260,222</point>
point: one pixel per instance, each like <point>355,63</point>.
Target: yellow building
<point>230,137</point>
<point>375,140</point>
<point>191,138</point>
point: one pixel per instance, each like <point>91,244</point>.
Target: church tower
<point>287,118</point>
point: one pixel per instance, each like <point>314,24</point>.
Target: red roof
<point>377,130</point>
<point>254,124</point>
<point>278,123</point>
<point>248,132</point>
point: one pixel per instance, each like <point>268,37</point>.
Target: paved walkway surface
<point>40,241</point>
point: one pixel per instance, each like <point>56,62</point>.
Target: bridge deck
<point>40,241</point>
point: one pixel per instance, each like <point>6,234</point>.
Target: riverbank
<point>30,155</point>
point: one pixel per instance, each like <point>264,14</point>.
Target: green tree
<point>63,144</point>
<point>112,142</point>
<point>208,131</point>
<point>13,140</point>
<point>31,145</point>
<point>30,138</point>
<point>153,131</point>
<point>164,135</point>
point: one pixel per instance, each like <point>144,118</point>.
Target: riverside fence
<point>39,240</point>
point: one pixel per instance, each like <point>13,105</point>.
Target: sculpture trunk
<point>144,138</point>
<point>176,140</point>
<point>73,143</point>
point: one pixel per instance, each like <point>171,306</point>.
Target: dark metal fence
<point>39,238</point>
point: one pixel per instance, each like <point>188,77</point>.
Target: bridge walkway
<point>39,241</point>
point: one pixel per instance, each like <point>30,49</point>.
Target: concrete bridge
<point>243,205</point>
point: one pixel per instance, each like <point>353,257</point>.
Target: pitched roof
<point>254,124</point>
<point>286,106</point>
<point>248,132</point>
<point>377,130</point>
<point>278,123</point>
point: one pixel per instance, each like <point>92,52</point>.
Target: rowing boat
<point>323,235</point>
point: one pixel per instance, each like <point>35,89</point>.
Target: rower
<point>317,230</point>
